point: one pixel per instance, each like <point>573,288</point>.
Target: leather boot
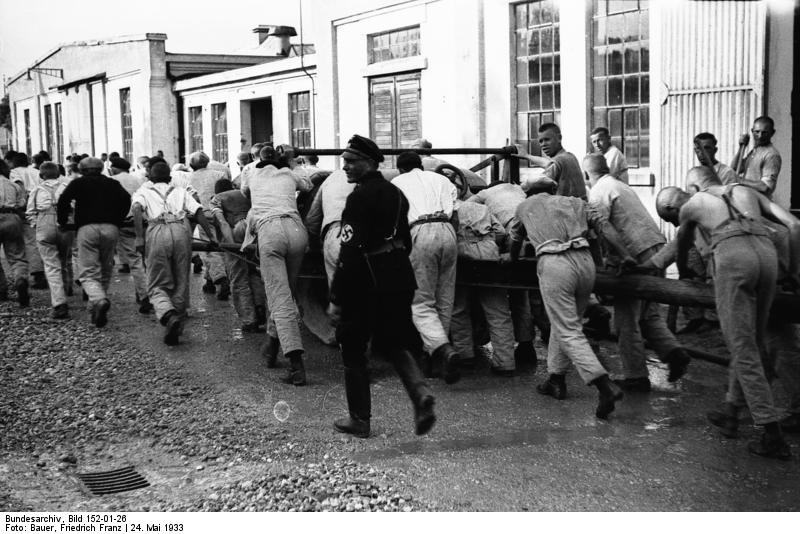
<point>60,312</point>
<point>359,403</point>
<point>100,312</point>
<point>555,386</point>
<point>269,350</point>
<point>297,371</point>
<point>449,357</point>
<point>23,295</point>
<point>608,394</point>
<point>525,356</point>
<point>144,306</point>
<point>411,376</point>
<point>678,362</point>
<point>726,419</point>
<point>172,322</point>
<point>224,289</point>
<point>771,444</point>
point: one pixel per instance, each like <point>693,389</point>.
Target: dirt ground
<point>497,446</point>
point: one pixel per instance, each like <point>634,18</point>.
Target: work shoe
<point>209,287</point>
<point>197,265</point>
<point>678,362</point>
<point>449,357</point>
<point>251,328</point>
<point>39,280</point>
<point>297,371</point>
<point>269,350</point>
<point>100,313</point>
<point>224,289</point>
<point>125,269</point>
<point>23,295</point>
<point>424,418</point>
<point>173,328</point>
<point>791,424</point>
<point>635,385</point>
<point>555,386</point>
<point>60,312</point>
<point>525,356</point>
<point>726,419</point>
<point>351,425</point>
<point>261,315</point>
<point>507,373</point>
<point>144,306</point>
<point>771,446</point>
<point>608,395</point>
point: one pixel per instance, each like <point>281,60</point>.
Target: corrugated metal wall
<point>713,68</point>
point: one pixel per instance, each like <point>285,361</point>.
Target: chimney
<point>275,38</point>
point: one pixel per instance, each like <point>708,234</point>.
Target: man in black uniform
<point>373,288</point>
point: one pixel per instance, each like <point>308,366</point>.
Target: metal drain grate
<point>119,480</point>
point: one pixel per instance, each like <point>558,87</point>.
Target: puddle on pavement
<point>524,437</point>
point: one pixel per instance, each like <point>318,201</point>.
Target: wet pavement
<point>498,444</point>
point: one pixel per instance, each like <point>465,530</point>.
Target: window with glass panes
<point>621,76</point>
<point>538,70</point>
<point>195,128</point>
<point>393,44</point>
<point>48,129</point>
<point>299,119</point>
<point>219,132</point>
<point>127,123</point>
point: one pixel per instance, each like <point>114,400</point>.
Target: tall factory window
<point>219,131</point>
<point>300,119</point>
<point>27,119</point>
<point>621,75</point>
<point>127,123</point>
<point>48,129</point>
<point>58,154</point>
<point>195,129</point>
<point>395,105</point>
<point>393,44</point>
<point>538,69</point>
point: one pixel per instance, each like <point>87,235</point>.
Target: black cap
<point>120,163</point>
<point>363,147</point>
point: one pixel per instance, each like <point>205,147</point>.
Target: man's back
<point>98,199</point>
<point>551,218</point>
<point>502,200</point>
<point>203,182</point>
<point>710,211</point>
<point>427,193</point>
<point>129,182</point>
<point>626,213</point>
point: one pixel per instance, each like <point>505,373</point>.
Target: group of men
<point>391,249</point>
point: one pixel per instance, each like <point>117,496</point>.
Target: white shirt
<point>427,193</point>
<point>159,198</point>
<point>617,164</point>
<point>27,177</point>
<point>44,197</point>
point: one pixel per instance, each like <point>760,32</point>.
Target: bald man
<point>202,180</point>
<point>101,205</point>
<point>746,270</point>
<point>636,319</point>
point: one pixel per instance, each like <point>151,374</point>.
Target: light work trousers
<point>55,249</point>
<point>637,320</point>
<point>746,270</point>
<point>566,281</point>
<point>126,251</point>
<point>213,261</point>
<point>282,242</point>
<point>35,264</point>
<point>247,287</point>
<point>169,259</point>
<point>433,256</point>
<point>96,245</point>
<point>494,302</point>
<point>13,242</point>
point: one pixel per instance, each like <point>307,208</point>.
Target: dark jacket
<point>98,199</point>
<point>376,242</point>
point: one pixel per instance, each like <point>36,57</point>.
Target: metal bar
<point>397,151</point>
<point>495,168</point>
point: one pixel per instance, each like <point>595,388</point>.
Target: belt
<point>165,219</point>
<point>15,211</point>
<point>433,218</point>
<point>389,246</point>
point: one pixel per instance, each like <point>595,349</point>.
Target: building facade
<point>478,73</point>
<point>107,95</point>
